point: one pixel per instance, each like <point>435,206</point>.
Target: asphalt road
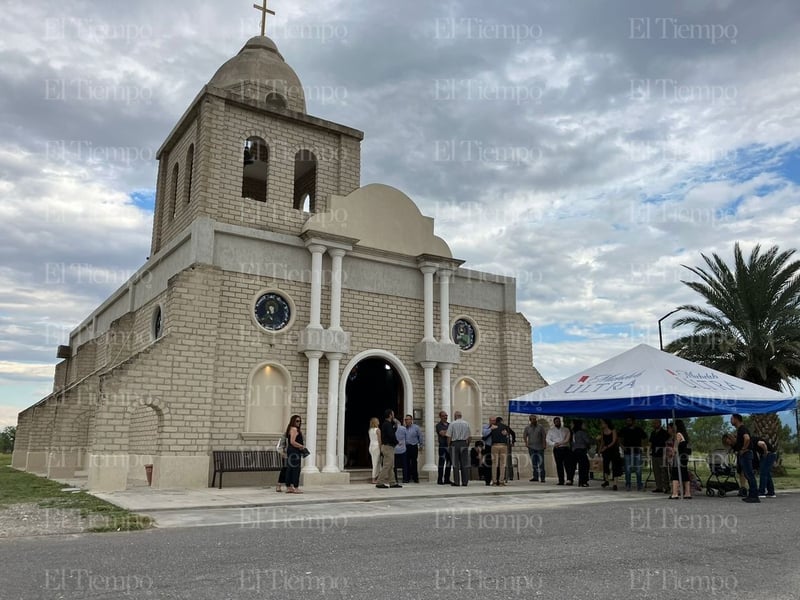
<point>628,547</point>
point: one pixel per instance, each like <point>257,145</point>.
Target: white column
<point>444,307</point>
<point>336,287</point>
<point>431,443</point>
<point>427,272</point>
<point>316,285</point>
<point>331,465</point>
<point>445,368</point>
<point>311,411</point>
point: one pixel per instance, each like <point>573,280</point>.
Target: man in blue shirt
<point>400,460</point>
<point>413,445</point>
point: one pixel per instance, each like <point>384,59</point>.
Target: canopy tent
<point>648,383</point>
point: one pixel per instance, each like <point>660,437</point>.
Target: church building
<point>276,285</point>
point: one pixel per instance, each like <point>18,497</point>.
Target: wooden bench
<point>241,461</point>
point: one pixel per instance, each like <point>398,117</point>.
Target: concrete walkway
<point>144,499</point>
<point>336,505</point>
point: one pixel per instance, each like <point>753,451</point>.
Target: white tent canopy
<point>646,382</point>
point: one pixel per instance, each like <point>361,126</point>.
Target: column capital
<point>337,251</point>
<point>313,354</point>
<point>316,248</point>
<point>444,273</point>
<point>334,356</point>
<point>428,267</point>
<point>445,366</point>
<point>427,364</point>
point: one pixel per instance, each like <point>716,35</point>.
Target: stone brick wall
<point>173,212</point>
<point>143,436</point>
<point>42,425</point>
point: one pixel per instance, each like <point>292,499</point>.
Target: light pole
<point>660,339</point>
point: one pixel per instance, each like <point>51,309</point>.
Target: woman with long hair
<point>294,454</point>
<point>680,464</point>
<point>609,449</point>
<point>375,447</point>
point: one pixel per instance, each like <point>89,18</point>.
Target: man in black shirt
<point>744,452</point>
<point>632,437</point>
<point>388,442</point>
<point>658,442</point>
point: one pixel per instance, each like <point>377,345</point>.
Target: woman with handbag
<point>281,448</point>
<point>295,452</point>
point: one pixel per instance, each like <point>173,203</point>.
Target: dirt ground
<point>28,519</point>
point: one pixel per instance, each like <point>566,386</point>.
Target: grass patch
<point>17,487</point>
<point>789,481</point>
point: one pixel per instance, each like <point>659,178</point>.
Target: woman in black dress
<point>294,454</point>
<point>681,461</point>
<point>612,461</point>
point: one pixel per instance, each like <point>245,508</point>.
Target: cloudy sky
<point>588,148</point>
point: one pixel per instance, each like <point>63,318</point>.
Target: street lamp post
<point>660,339</point>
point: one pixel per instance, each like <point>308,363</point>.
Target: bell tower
<point>246,153</point>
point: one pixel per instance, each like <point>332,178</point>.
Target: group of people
<point>489,454</point>
<point>751,453</point>
<point>405,439</point>
<point>394,445</point>
<point>621,452</point>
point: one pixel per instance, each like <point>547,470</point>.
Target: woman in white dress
<point>375,447</point>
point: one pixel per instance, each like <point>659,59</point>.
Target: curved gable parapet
<point>380,217</point>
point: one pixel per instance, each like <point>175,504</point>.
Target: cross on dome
<point>264,10</point>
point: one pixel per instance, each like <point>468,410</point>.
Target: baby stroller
<point>722,474</point>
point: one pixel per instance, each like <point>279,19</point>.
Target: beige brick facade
<point>139,389</point>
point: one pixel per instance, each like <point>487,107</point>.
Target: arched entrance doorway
<point>373,385</point>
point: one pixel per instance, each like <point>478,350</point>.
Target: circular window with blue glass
<point>464,334</point>
<point>273,311</point>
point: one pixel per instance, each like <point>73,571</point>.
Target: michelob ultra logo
<point>704,381</point>
<point>606,382</point>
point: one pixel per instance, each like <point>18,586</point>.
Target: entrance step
<point>360,475</point>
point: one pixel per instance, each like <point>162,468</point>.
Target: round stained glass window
<point>464,334</point>
<point>272,311</point>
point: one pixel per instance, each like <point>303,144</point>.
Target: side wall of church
<point>72,432</point>
<point>173,375</point>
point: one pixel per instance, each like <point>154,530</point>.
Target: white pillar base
<point>312,480</point>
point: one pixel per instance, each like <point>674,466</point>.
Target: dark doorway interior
<point>373,385</point>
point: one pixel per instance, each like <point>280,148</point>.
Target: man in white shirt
<point>558,438</point>
<point>458,434</point>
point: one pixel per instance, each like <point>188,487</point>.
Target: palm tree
<point>750,326</point>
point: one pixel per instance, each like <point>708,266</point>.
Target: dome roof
<point>259,72</point>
